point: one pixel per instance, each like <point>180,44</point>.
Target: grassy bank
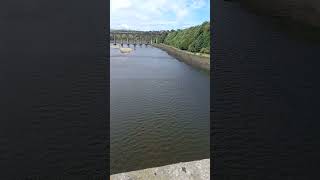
<point>194,39</point>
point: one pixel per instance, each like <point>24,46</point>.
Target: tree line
<point>193,39</point>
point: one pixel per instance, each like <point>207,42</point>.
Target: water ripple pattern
<point>159,110</point>
<point>266,98</point>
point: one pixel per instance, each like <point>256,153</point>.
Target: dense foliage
<point>194,39</point>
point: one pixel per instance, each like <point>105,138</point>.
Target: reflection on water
<point>159,110</point>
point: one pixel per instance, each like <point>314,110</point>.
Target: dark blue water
<point>159,110</point>
<point>265,97</point>
<point>54,89</point>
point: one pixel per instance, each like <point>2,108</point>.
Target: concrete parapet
<point>194,170</point>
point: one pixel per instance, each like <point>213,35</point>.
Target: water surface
<point>266,98</point>
<point>159,110</point>
<point>54,90</point>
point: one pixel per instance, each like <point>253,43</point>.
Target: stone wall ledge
<point>201,61</point>
<point>194,170</point>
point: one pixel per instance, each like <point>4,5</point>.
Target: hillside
<point>193,39</point>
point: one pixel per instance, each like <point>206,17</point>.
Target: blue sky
<point>158,14</point>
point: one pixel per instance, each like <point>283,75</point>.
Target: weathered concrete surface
<point>199,61</point>
<point>194,170</point>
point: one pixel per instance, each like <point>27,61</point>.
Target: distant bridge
<point>134,37</point>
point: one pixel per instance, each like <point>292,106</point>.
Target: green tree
<point>194,39</point>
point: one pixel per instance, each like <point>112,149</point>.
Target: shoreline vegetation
<point>194,39</point>
<point>190,45</point>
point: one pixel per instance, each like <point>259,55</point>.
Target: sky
<point>147,15</point>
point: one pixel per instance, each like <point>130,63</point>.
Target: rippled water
<point>266,98</point>
<point>159,110</point>
<point>53,117</point>
<point>54,90</point>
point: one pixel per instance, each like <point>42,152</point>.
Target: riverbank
<point>194,170</point>
<point>198,60</point>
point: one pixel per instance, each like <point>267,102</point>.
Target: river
<point>266,97</point>
<point>159,110</point>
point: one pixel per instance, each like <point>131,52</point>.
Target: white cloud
<point>198,3</point>
<point>181,13</point>
<point>153,14</point>
<point>125,26</point>
<point>117,5</point>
